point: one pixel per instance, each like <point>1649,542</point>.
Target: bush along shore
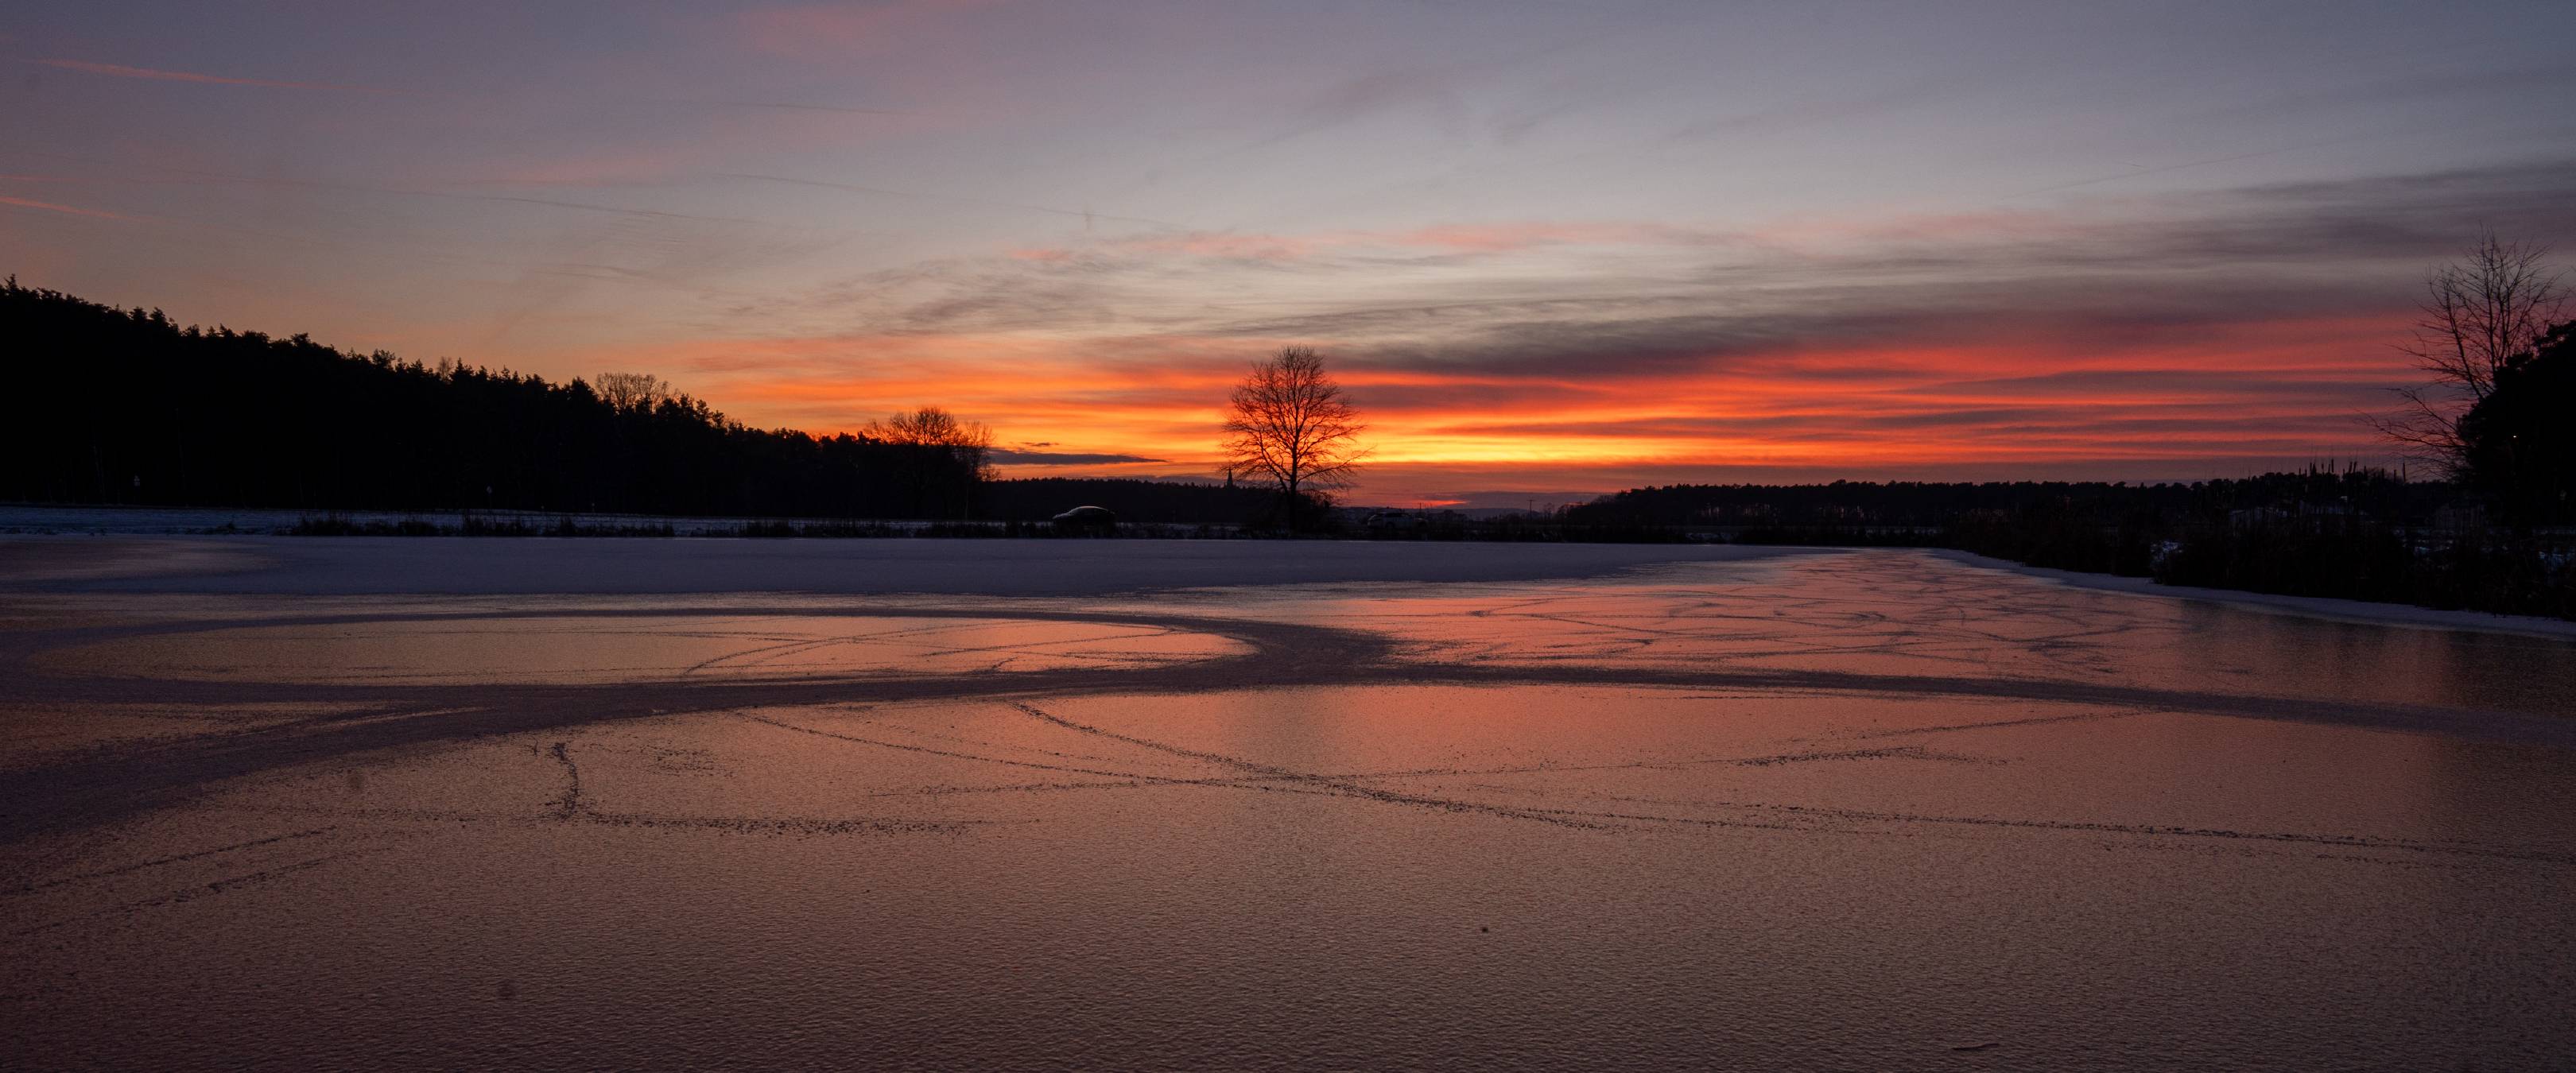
<point>2356,533</point>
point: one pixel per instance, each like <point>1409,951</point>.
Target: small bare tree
<point>634,391</point>
<point>2479,315</point>
<point>931,426</point>
<point>1288,423</point>
<point>938,452</point>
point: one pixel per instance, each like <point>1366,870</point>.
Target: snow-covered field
<point>431,803</point>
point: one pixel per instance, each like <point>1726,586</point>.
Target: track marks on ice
<point>1341,787</point>
<point>108,873</point>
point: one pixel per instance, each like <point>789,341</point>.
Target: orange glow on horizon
<point>2283,389</point>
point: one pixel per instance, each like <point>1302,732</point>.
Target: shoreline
<point>2335,609</point>
<point>352,565</point>
<point>937,566</point>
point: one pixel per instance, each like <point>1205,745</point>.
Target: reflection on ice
<point>625,648</point>
<point>1905,614</point>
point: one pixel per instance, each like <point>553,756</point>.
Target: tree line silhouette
<point>1860,505</point>
<point>128,407</point>
<point>2352,532</point>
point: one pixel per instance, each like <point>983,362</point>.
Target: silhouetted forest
<point>125,406</point>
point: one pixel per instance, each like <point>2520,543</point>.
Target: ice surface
<point>1467,807</point>
<point>339,566</point>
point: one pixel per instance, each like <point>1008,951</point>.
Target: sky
<point>1551,249</point>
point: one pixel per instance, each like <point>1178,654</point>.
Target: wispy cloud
<point>72,210</point>
<point>1085,215</point>
<point>1603,298</point>
<point>791,106</point>
<point>2139,171</point>
<point>202,175</point>
<point>114,70</point>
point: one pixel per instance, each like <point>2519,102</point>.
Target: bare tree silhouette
<point>931,426</point>
<point>940,453</point>
<point>634,391</point>
<point>2480,315</point>
<point>1288,423</point>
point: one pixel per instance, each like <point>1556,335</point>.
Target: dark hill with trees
<point>127,407</point>
<point>136,409</point>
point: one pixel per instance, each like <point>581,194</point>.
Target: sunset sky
<point>1553,249</point>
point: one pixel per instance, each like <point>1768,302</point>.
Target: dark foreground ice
<point>874,804</point>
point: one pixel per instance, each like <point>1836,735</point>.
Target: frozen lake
<point>428,803</point>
